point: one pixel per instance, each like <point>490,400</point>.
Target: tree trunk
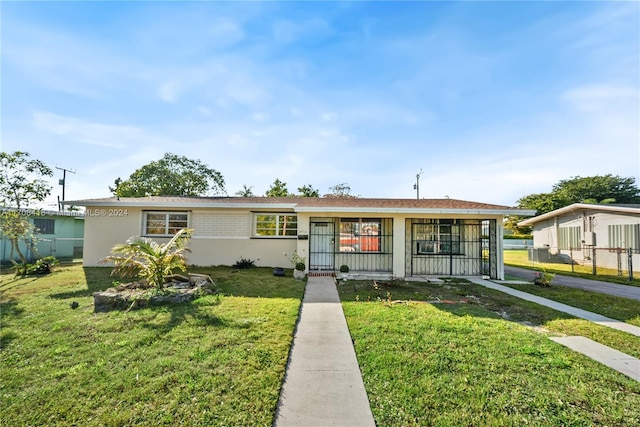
<point>15,246</point>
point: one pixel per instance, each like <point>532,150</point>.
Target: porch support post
<point>302,246</point>
<point>496,235</point>
<point>399,255</point>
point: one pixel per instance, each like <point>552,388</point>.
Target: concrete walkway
<point>323,385</point>
<point>577,312</point>
<point>621,362</point>
<point>632,292</point>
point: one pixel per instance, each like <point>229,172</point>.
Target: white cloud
<point>169,91</point>
<point>287,31</point>
<point>86,132</point>
<point>601,98</point>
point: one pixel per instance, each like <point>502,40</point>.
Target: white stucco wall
<point>220,237</point>
<point>223,236</point>
<point>545,233</point>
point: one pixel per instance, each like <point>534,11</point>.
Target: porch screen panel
<point>365,244</point>
<point>446,247</point>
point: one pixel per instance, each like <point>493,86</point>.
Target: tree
<point>20,180</point>
<point>577,189</point>
<point>116,185</point>
<point>245,192</point>
<point>600,188</point>
<point>145,258</point>
<point>172,175</point>
<point>277,189</point>
<point>541,202</point>
<point>21,184</point>
<point>308,191</point>
<point>511,223</point>
<point>342,190</point>
<point>16,227</point>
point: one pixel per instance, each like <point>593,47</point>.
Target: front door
<point>321,243</point>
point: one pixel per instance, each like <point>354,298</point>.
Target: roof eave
<point>463,211</point>
<point>174,205</point>
<point>573,207</point>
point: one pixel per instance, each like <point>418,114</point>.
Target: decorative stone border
<point>135,295</point>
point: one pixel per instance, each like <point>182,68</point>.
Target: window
<point>45,226</point>
<point>569,238</point>
<point>164,223</point>
<point>437,237</point>
<point>624,236</point>
<point>276,225</point>
<point>360,234</point>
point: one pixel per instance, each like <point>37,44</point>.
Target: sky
<point>487,101</point>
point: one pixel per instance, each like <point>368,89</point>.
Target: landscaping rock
<point>136,295</point>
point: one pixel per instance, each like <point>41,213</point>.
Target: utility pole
<point>416,186</point>
<point>63,182</point>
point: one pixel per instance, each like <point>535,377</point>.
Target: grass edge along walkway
<point>612,358</point>
<point>577,312</point>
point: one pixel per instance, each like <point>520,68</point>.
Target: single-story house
<point>60,234</point>
<point>583,231</point>
<point>398,237</point>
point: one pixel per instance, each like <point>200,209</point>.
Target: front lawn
<point>219,360</point>
<point>469,360</point>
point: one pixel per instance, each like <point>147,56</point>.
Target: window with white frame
<point>624,236</point>
<point>276,225</point>
<point>569,238</point>
<point>164,223</point>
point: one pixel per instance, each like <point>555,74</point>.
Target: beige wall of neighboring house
<point>583,232</point>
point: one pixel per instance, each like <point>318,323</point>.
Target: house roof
<point>311,204</point>
<point>613,208</point>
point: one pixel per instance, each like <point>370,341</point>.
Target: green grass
<point>619,308</point>
<point>623,309</point>
<point>474,363</point>
<point>519,258</point>
<point>219,360</point>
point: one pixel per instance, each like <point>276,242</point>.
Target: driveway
<point>632,292</point>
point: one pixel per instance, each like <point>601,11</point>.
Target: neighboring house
<point>60,234</point>
<point>584,231</point>
<point>399,237</point>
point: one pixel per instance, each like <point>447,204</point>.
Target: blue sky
<point>491,100</point>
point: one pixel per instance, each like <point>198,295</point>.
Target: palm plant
<point>145,258</point>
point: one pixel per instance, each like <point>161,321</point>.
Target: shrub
<point>344,268</point>
<point>244,263</point>
<point>145,258</point>
<point>543,279</point>
<point>39,268</point>
<point>297,260</point>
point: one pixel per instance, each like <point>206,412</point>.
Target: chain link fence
<point>619,262</point>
